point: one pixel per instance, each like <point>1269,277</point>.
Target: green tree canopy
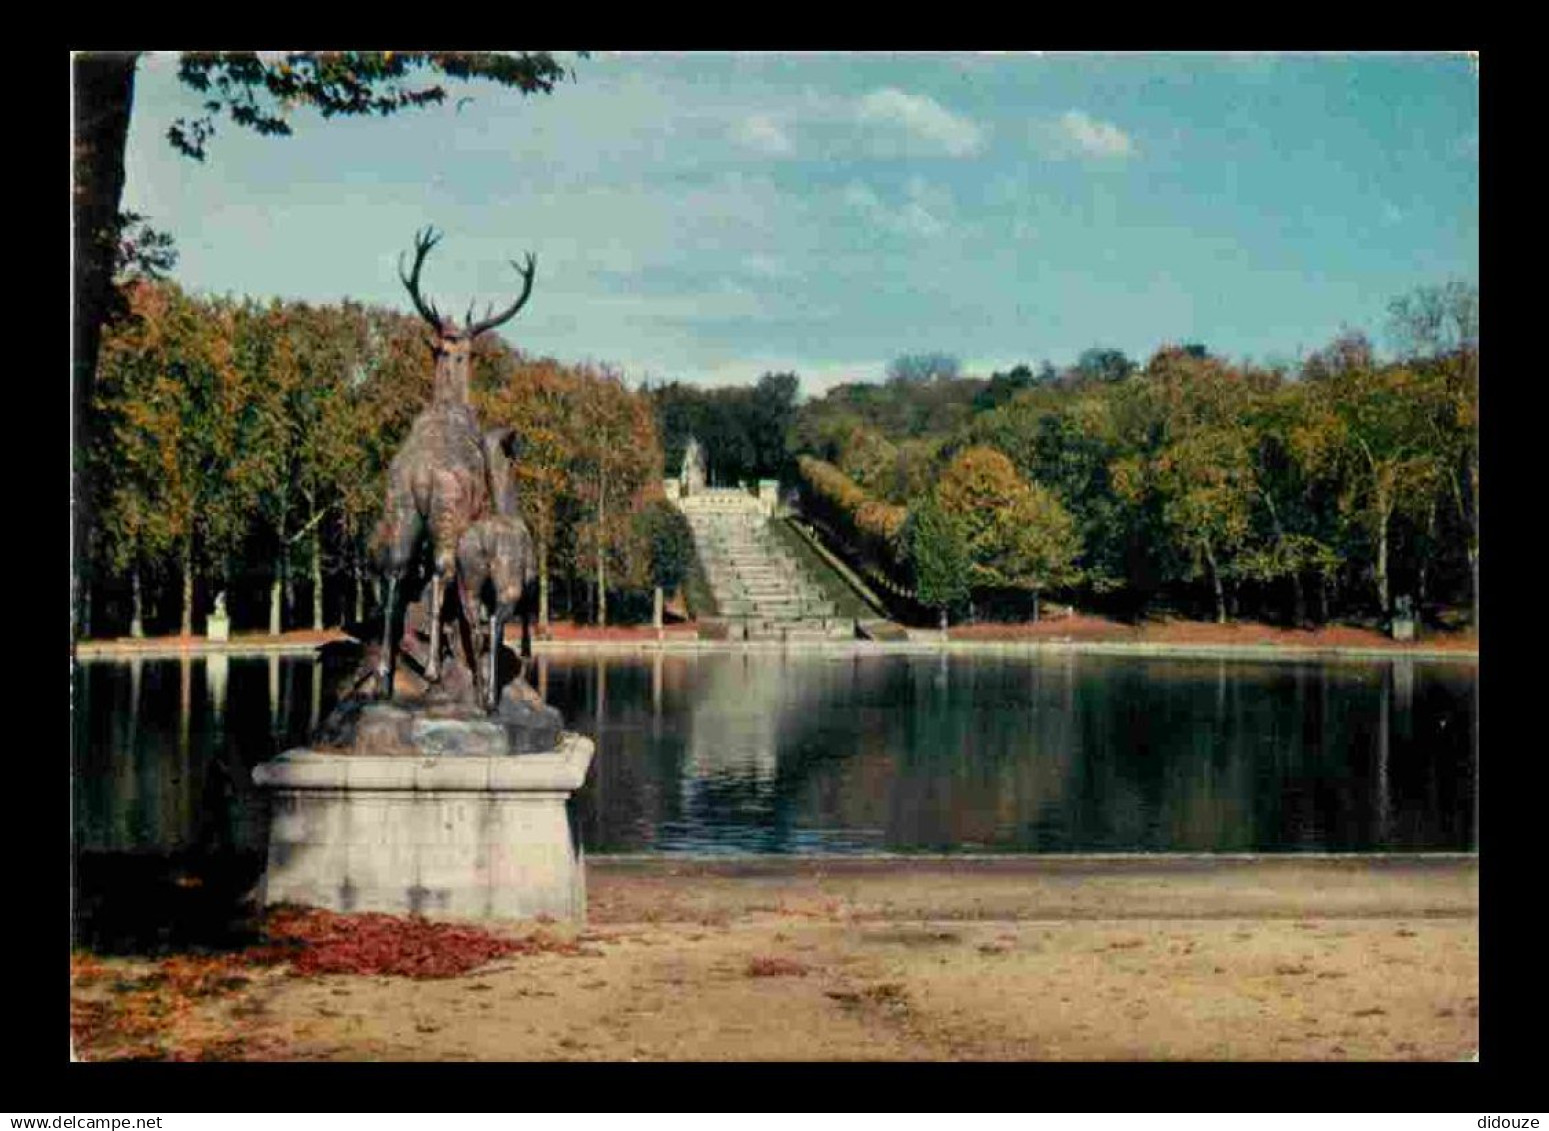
<point>1018,534</point>
<point>937,550</point>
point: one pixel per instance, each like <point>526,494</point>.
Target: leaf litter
<point>131,1013</point>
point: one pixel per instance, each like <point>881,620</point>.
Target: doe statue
<point>497,568</point>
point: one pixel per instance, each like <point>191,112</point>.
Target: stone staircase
<point>758,584</point>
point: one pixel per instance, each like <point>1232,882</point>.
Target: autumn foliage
<point>243,446</point>
<point>129,1012</point>
<point>1189,484</point>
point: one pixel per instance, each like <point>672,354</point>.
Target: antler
<point>492,320</point>
<point>423,242</point>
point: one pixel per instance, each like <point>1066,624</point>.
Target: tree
<point>1003,387</point>
<point>1103,364</point>
<point>938,552</point>
<point>1367,429</point>
<point>1017,534</point>
<point>1191,457</point>
<point>1066,440</point>
<point>540,400</point>
<point>257,94</point>
<point>917,368</point>
<point>1205,481</point>
<point>179,412</point>
<point>869,459</point>
<point>1300,538</point>
<point>771,411</point>
<point>1438,332</point>
<point>618,456</point>
<point>669,544</point>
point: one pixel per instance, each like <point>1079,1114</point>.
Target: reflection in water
<point>317,695</point>
<point>169,831</point>
<point>274,692</point>
<point>771,752</point>
<point>217,673</point>
<point>783,752</point>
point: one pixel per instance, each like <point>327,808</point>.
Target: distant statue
<point>439,482</point>
<point>693,474</point>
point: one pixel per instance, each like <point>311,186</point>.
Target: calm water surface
<point>769,753</point>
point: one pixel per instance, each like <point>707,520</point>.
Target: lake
<point>840,752</point>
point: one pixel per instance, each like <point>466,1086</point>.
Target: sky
<point>709,217</point>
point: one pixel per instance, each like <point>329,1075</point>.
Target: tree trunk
<point>602,589</point>
<point>103,87</point>
<point>656,609</point>
<point>137,605</point>
<point>1380,574</point>
<point>85,621</point>
<point>1035,606</point>
<point>602,592</point>
<point>543,588</point>
<point>1298,598</point>
<point>360,594</point>
<point>1215,584</point>
<point>1473,578</point>
<point>1473,536</point>
<point>317,581</point>
<point>186,624</point>
<point>943,619</point>
<point>104,96</point>
<point>276,592</point>
<point>1426,548</point>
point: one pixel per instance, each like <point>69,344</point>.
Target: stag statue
<point>439,482</point>
<point>497,569</point>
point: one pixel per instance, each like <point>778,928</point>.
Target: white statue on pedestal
<point>693,475</point>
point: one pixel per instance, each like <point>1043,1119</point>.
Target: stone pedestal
<point>462,836</point>
<point>217,627</point>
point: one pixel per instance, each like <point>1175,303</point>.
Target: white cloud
<point>923,118</point>
<point>765,266</point>
<point>692,307</point>
<point>763,134</point>
<point>921,215</point>
<point>1095,138</point>
<point>817,376</point>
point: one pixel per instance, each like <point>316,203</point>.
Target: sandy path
<point>1275,959</point>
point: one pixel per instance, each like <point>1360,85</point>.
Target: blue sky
<point>709,217</point>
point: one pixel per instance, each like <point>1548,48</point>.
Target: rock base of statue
<point>434,726</point>
<point>473,836</point>
<point>427,804</point>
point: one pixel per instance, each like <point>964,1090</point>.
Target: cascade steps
<point>757,582</point>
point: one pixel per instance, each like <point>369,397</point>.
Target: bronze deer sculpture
<point>439,480</point>
<point>497,568</point>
